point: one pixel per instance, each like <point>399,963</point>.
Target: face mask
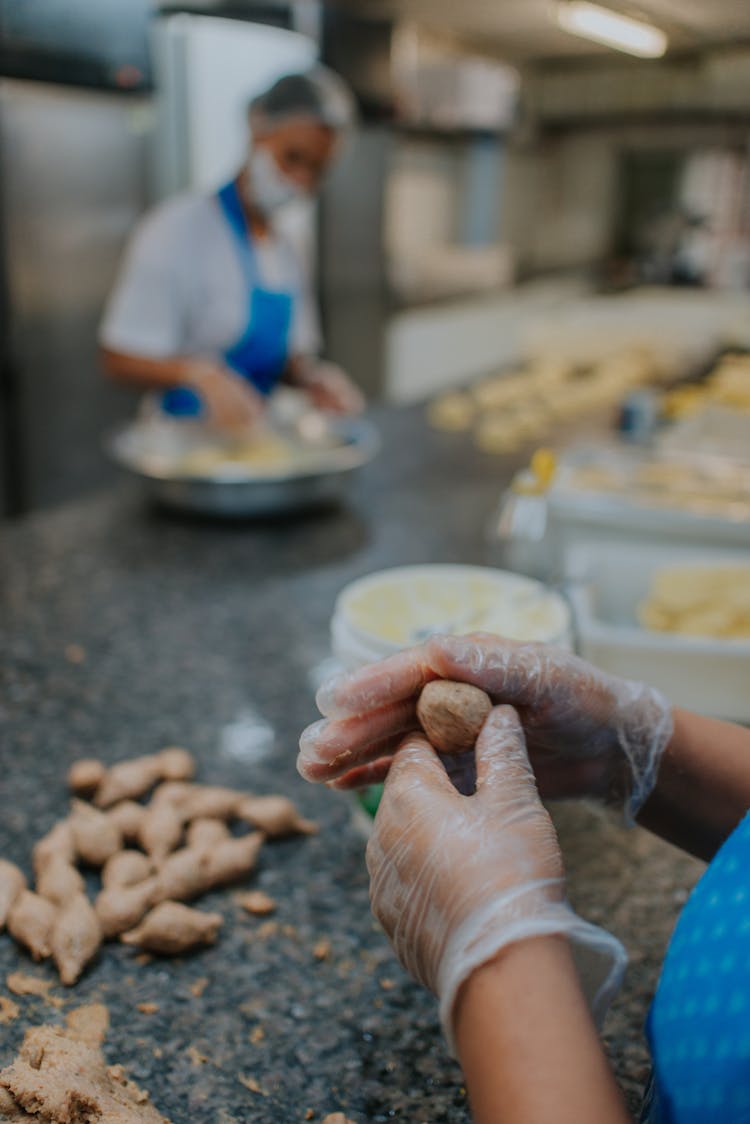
<point>268,187</point>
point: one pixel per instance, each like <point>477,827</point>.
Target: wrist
<point>514,965</point>
<point>198,372</point>
<point>643,727</point>
<point>300,371</point>
<point>537,911</point>
<point>527,1044</point>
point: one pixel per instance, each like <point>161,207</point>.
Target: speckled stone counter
<point>123,629</point>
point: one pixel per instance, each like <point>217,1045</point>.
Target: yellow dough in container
<point>265,454</point>
<point>699,601</point>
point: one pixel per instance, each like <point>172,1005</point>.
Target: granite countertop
<point>124,629</point>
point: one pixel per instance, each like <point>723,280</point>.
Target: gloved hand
<point>231,402</point>
<point>588,733</point>
<point>456,879</point>
<point>329,388</point>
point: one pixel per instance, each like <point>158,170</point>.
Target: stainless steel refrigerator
<point>73,180</point>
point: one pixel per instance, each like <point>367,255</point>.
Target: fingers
<point>501,756</point>
<point>508,670</point>
<point>376,686</point>
<point>364,775</point>
<point>329,749</point>
<point>505,669</point>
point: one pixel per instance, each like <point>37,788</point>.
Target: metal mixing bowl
<point>152,452</point>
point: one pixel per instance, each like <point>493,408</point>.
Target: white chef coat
<point>181,289</point>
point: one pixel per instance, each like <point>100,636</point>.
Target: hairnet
<point>317,93</point>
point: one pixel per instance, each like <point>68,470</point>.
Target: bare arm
<point>703,786</point>
<point>149,374</point>
<point>231,402</point>
<point>528,1048</point>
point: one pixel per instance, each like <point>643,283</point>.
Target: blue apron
<point>699,1024</point>
<point>261,353</point>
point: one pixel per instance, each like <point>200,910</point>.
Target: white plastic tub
<point>711,676</point>
<point>393,609</point>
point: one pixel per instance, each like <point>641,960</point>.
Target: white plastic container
<point>393,609</point>
<point>711,676</point>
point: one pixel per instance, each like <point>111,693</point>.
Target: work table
<point>123,630</point>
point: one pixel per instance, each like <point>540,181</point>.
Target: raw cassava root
<point>151,856</point>
<point>452,714</point>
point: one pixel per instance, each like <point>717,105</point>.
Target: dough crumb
<point>199,987</point>
<point>251,1084</point>
<point>336,1118</point>
<point>8,1010</point>
<point>256,902</point>
<point>257,1035</point>
<point>88,1024</point>
<point>196,1057</point>
<point>60,1075</point>
<point>267,929</point>
<point>21,983</point>
<point>322,949</point>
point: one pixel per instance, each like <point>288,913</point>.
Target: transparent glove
<point>330,388</point>
<point>588,733</point>
<point>231,403</point>
<point>455,879</point>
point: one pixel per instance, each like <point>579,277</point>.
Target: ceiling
<point>524,30</point>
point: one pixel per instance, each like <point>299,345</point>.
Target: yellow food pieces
<point>265,454</point>
<point>728,384</point>
<point>453,412</point>
<point>505,411</point>
<point>699,601</point>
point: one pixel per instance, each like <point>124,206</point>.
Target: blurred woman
<point>212,308</point>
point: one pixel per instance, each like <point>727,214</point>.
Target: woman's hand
<point>455,879</point>
<point>329,387</point>
<point>231,402</point>
<point>588,733</point>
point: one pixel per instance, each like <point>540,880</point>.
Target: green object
<point>369,798</point>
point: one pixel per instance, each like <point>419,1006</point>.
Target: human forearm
<point>527,1044</point>
<point>144,373</point>
<point>703,786</point>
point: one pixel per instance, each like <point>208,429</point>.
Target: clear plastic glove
<point>588,733</point>
<point>455,879</point>
<point>329,388</point>
<point>231,402</point>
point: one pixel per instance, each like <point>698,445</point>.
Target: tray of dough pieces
<point>677,619</point>
<point>612,492</point>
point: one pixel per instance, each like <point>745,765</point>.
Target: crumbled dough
<point>256,902</point>
<point>322,949</point>
<point>8,1010</point>
<point>60,1076</point>
<point>251,1084</point>
<point>199,986</point>
<point>21,983</point>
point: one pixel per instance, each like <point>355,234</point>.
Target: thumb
<point>501,754</point>
<point>416,765</point>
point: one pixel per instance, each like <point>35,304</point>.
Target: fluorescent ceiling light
<point>591,21</point>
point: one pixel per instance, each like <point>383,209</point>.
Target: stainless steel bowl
<point>152,452</point>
